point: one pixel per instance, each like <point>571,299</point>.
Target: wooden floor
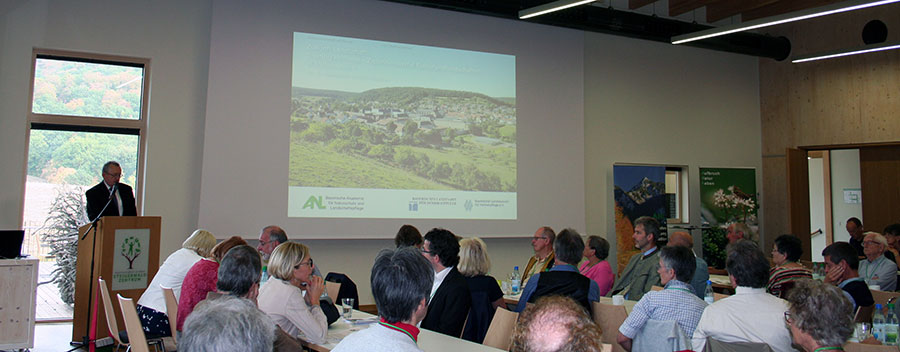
<point>49,306</point>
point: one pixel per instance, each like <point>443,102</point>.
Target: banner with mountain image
<point>638,191</point>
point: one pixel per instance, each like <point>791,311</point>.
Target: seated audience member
<point>751,315</point>
<point>820,317</point>
<point>563,278</point>
<point>855,229</point>
<point>739,231</point>
<point>892,235</point>
<point>401,283</point>
<point>282,298</point>
<point>876,269</point>
<point>701,273</point>
<point>841,265</point>
<point>450,297</point>
<point>595,267</point>
<point>676,302</point>
<point>785,254</point>
<point>408,236</point>
<point>474,264</point>
<point>270,237</point>
<point>201,279</point>
<point>151,307</point>
<point>542,243</point>
<point>239,274</point>
<point>555,324</point>
<point>640,275</point>
<point>227,324</point>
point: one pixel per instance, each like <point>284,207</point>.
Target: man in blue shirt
<point>677,302</point>
<point>563,278</point>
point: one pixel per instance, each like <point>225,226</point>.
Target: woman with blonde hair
<point>474,264</point>
<point>283,297</point>
<point>151,306</point>
<point>202,278</point>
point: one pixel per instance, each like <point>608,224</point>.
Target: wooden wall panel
<point>879,174</point>
<point>798,197</point>
<point>852,100</point>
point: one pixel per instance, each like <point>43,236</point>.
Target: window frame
<point>90,123</point>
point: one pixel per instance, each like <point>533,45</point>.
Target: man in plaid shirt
<point>677,302</point>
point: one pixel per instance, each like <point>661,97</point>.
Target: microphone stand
<point>86,339</point>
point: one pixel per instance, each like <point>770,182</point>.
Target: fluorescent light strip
<point>553,6</point>
<point>840,53</point>
<point>779,19</point>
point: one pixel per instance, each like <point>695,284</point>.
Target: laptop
<point>11,243</point>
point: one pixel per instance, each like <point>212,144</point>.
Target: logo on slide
<point>314,203</point>
<point>468,205</point>
<point>413,206</point>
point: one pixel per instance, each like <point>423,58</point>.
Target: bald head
<point>555,324</point>
<point>681,239</point>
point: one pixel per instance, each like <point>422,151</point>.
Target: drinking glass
<point>863,330</point>
<point>347,306</point>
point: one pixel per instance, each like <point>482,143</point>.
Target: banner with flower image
<point>728,195</point>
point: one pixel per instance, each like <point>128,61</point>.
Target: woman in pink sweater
<point>202,278</point>
<point>595,266</point>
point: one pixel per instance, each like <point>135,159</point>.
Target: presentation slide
<point>390,130</point>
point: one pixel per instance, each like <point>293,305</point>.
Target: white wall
<point>644,102</point>
<point>817,207</point>
<point>655,103</point>
<point>844,175</point>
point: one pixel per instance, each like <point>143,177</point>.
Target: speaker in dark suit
<point>122,203</point>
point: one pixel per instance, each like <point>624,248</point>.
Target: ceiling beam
<point>724,9</point>
<point>636,4</point>
<point>784,6</point>
<point>678,7</point>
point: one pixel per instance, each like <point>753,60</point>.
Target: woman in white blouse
<point>152,305</point>
<point>291,296</point>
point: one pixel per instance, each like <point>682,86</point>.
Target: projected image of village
<point>380,115</point>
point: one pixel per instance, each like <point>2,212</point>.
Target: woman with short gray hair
<point>820,316</point>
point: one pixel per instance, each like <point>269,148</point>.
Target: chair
<point>609,317</point>
<point>717,296</point>
<point>605,347</point>
<point>347,288</point>
<point>499,333</point>
<point>111,321</point>
<point>333,288</point>
<point>172,313</point>
<point>661,336</point>
<point>864,314</point>
<point>713,345</point>
<point>864,347</point>
<point>133,325</point>
<point>656,288</point>
<point>882,297</point>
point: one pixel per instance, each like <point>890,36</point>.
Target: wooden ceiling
<point>717,10</point>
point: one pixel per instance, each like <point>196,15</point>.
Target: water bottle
<point>709,297</point>
<point>516,281</point>
<point>890,327</point>
<point>265,275</point>
<point>878,328</point>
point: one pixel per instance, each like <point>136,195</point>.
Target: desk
<point>18,287</point>
<point>428,340</point>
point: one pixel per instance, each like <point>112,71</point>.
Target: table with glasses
<point>428,340</point>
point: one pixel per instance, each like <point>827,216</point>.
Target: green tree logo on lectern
<point>131,249</point>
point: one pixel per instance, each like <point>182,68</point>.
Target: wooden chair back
<point>499,333</point>
<point>609,317</point>
<point>882,297</point>
<point>717,296</point>
<point>136,336</point>
<point>111,321</point>
<point>171,310</point>
<point>332,288</point>
<point>656,288</point>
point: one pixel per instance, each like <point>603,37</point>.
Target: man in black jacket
<point>450,297</point>
<point>119,195</point>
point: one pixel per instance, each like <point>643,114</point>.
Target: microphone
<point>112,192</point>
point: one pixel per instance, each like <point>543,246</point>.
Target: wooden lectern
<point>116,254</point>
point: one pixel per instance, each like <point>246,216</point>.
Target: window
<point>85,109</point>
<point>676,185</point>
